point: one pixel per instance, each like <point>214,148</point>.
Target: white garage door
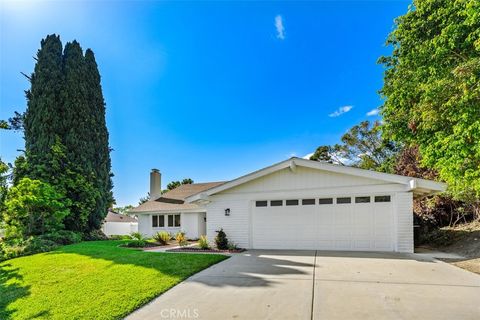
<point>336,223</point>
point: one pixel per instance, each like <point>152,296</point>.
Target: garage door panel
<point>355,226</point>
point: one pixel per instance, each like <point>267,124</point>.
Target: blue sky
<point>209,90</point>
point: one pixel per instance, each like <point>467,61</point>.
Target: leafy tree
<point>431,89</point>
<point>4,168</point>
<point>144,199</point>
<point>33,207</point>
<point>363,147</point>
<point>174,184</point>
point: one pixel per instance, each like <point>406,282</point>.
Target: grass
<point>91,280</point>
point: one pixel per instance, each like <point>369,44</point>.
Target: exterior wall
<point>236,226</point>
<point>304,183</point>
<point>404,221</point>
<point>145,224</point>
<point>189,223</point>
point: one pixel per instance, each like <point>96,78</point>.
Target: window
<point>158,221</point>
<point>177,220</point>
<point>261,203</point>
<point>161,221</point>
<point>292,202</point>
<point>276,203</point>
<point>306,202</point>
<point>170,220</point>
<point>382,198</point>
<point>174,220</point>
<point>362,199</point>
<point>344,200</point>
<point>325,201</point>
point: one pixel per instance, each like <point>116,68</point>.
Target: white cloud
<point>308,156</point>
<point>340,111</point>
<point>280,28</point>
<point>373,112</point>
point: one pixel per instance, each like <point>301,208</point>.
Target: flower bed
<point>199,250</point>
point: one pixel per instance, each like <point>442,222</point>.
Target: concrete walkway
<point>322,285</point>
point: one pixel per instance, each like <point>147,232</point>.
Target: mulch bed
<point>199,250</point>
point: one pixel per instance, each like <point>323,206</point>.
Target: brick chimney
<point>155,184</point>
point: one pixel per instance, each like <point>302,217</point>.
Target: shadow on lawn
<point>10,289</point>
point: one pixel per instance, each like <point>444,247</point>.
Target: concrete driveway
<point>322,285</point>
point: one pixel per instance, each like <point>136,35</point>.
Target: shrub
<point>162,237</point>
<point>232,246</point>
<point>95,235</point>
<point>15,247</point>
<point>181,239</point>
<point>33,207</point>
<point>120,237</point>
<point>136,244</point>
<point>221,240</point>
<point>137,236</point>
<point>203,243</point>
<point>63,237</point>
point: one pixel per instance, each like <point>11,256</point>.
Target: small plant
<point>181,239</point>
<point>221,240</point>
<point>137,236</point>
<point>232,246</point>
<point>162,237</point>
<point>203,243</point>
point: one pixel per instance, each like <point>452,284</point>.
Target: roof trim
<point>410,183</point>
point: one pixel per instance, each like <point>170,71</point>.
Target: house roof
<point>116,217</point>
<point>419,187</point>
<point>174,200</point>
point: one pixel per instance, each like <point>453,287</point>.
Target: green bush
<point>63,237</point>
<point>15,247</point>
<point>94,235</point>
<point>162,237</point>
<point>221,240</point>
<point>33,207</point>
<point>120,237</point>
<point>136,244</point>
<point>203,243</point>
<point>232,246</point>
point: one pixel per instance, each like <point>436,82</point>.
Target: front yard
<point>91,280</point>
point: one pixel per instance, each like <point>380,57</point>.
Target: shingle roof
<point>173,200</point>
<point>115,217</point>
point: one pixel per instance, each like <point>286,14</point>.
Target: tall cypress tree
<point>43,118</point>
<point>99,146</point>
<point>65,132</point>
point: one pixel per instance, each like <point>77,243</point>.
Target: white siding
<point>308,183</point>
<point>404,216</point>
<point>236,226</point>
<point>303,178</point>
<point>189,223</point>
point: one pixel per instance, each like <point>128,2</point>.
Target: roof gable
<point>421,186</point>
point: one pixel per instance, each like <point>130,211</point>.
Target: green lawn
<point>91,280</point>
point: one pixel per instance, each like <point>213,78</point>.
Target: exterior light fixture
<point>227,212</point>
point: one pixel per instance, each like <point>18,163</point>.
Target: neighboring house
<point>119,224</point>
<point>294,204</point>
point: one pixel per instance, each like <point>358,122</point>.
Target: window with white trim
<point>174,220</point>
<point>158,221</point>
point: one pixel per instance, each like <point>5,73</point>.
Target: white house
<point>294,204</point>
<point>119,224</point>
